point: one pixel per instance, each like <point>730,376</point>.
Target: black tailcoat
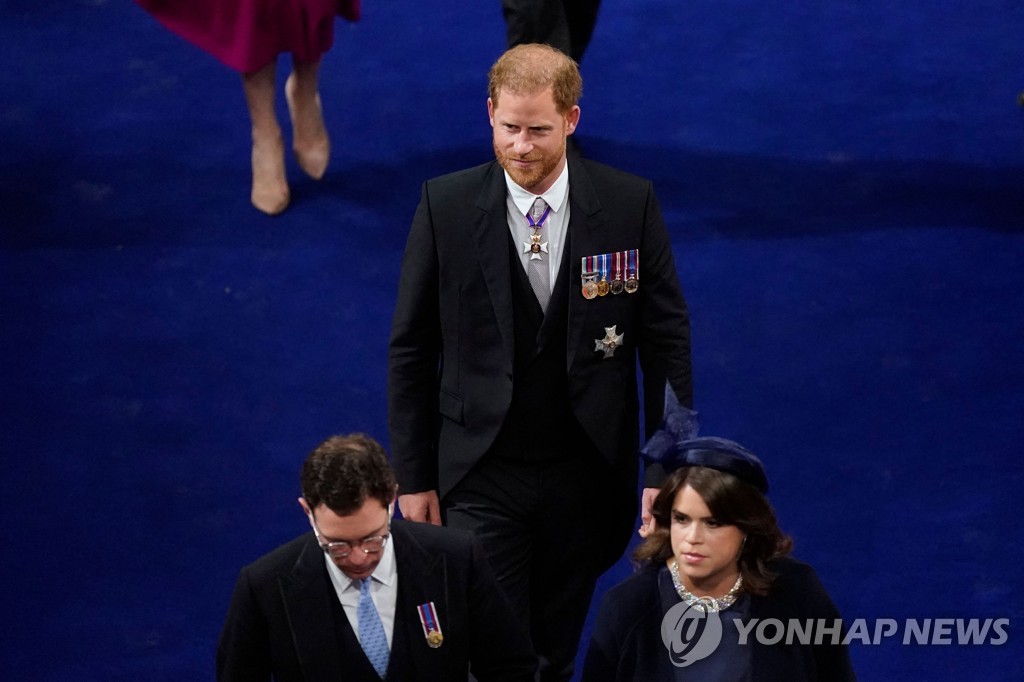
<point>283,620</point>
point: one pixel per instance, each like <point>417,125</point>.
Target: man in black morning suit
<point>298,612</point>
<point>564,24</point>
<point>513,402</point>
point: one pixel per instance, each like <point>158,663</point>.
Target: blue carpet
<point>842,182</point>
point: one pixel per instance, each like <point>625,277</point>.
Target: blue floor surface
<point>843,187</point>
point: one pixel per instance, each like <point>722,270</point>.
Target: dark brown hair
<point>732,502</point>
<point>344,471</point>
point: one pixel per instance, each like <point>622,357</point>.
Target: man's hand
<point>421,507</point>
<point>647,523</point>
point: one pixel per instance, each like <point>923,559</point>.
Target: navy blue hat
<point>676,445</point>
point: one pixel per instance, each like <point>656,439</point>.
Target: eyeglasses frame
<point>355,544</point>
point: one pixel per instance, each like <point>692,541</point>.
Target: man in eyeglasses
<point>363,597</point>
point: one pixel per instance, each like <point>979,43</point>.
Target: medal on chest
<point>535,247</point>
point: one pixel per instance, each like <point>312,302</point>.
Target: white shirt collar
<point>555,196</point>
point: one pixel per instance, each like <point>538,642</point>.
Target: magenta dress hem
<point>246,35</point>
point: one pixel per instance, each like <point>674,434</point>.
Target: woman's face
<point>707,551</point>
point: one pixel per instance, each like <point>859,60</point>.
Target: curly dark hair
<point>732,502</point>
<point>344,471</point>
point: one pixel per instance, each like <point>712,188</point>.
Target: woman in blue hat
<point>717,596</point>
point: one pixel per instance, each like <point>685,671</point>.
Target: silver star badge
<point>610,342</point>
<point>534,247</point>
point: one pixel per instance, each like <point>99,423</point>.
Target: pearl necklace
<point>705,604</point>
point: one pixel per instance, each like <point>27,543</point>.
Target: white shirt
<point>519,201</point>
<point>383,590</point>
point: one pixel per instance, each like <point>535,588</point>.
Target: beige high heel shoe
<point>311,144</point>
<point>269,186</point>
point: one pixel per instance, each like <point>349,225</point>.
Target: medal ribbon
<point>428,617</point>
<point>540,223</point>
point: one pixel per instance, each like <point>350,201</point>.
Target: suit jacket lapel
<point>421,579</point>
<point>306,592</point>
<point>585,224</point>
<point>491,233</point>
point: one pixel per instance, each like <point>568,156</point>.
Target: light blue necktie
<point>371,631</point>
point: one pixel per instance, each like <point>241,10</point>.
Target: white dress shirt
<point>519,201</point>
<point>383,590</point>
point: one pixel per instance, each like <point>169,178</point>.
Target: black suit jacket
<point>626,642</point>
<point>281,622</point>
<point>450,376</point>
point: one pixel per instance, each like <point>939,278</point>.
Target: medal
<point>617,285</point>
<point>603,287</point>
<point>609,343</point>
<point>431,625</point>
<point>535,247</point>
<point>588,283</point>
<point>610,273</point>
<point>633,279</point>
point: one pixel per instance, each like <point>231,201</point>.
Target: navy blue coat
<point>626,644</point>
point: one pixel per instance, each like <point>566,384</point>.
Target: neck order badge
<point>537,215</point>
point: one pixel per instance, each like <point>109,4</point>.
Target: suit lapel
<point>306,592</point>
<point>585,225</point>
<point>421,579</point>
<point>586,222</point>
<point>491,233</point>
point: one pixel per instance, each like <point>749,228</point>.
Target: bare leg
<point>269,186</point>
<point>311,144</point>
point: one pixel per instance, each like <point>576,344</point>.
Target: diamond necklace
<point>705,604</point>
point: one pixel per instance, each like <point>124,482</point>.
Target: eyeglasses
<point>342,548</point>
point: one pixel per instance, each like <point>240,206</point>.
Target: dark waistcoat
<point>357,665</point>
<point>540,425</point>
